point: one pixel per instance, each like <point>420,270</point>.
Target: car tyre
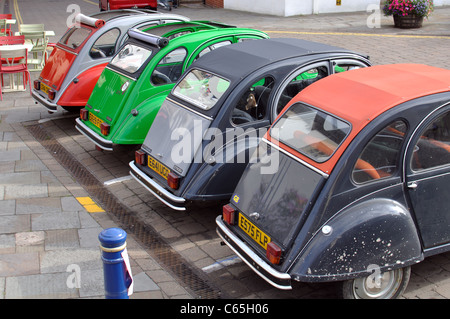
<point>387,285</point>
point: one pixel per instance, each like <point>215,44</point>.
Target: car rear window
<point>75,37</point>
<point>131,58</point>
<point>201,88</point>
<point>310,131</point>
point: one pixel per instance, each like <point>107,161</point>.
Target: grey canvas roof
<point>237,60</point>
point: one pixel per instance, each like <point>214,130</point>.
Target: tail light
<point>228,214</point>
<point>51,94</point>
<point>139,157</point>
<point>104,128</point>
<point>37,85</point>
<point>173,180</point>
<point>84,114</point>
<point>273,253</point>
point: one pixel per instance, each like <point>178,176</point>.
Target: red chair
<point>11,68</point>
<point>15,39</point>
<point>6,30</point>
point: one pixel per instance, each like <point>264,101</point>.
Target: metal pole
<point>117,278</point>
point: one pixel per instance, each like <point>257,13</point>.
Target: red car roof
<point>359,96</point>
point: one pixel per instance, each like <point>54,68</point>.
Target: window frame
<point>398,158</point>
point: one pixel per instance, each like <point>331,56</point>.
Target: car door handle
<point>412,185</point>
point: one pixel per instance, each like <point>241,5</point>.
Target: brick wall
<point>214,3</point>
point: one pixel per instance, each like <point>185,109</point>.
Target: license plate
<point>158,167</point>
<point>95,120</point>
<point>44,88</point>
<point>254,232</point>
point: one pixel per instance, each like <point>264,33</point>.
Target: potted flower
<point>408,13</point>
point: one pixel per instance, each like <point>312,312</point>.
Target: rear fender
<point>79,90</point>
<point>137,123</point>
<point>376,234</point>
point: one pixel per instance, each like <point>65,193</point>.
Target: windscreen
<point>310,131</point>
<point>201,89</point>
<point>131,58</point>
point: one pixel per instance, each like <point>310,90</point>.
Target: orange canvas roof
<point>361,95</point>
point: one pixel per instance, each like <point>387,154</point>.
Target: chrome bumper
<point>90,134</point>
<point>264,270</point>
<point>174,202</point>
<point>52,107</point>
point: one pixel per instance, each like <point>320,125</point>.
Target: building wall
<point>287,8</point>
<point>215,3</point>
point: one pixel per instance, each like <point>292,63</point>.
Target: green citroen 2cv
<point>135,83</point>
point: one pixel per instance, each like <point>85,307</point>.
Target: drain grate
<point>159,249</point>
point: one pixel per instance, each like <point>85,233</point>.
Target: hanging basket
<point>408,22</point>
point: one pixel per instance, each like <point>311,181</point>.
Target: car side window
<point>298,82</point>
<point>252,105</point>
<point>170,68</point>
<point>380,157</point>
<point>433,147</point>
<point>346,65</point>
<point>105,46</point>
<point>212,47</point>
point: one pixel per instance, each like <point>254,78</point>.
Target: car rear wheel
<point>386,285</point>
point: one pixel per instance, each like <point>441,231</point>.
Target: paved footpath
<point>49,227</point>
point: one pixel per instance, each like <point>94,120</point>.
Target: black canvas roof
<point>237,60</point>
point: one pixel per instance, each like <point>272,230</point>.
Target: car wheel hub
<point>378,285</point>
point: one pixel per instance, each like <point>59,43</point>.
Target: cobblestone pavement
<point>45,165</point>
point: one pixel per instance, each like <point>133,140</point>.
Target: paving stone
<point>7,244</point>
<point>26,191</point>
<point>30,238</point>
<point>14,224</point>
<point>58,260</point>
<point>92,283</point>
<point>8,156</point>
<point>86,220</point>
<point>70,204</point>
<point>20,178</point>
<point>38,205</point>
<point>30,166</point>
<point>19,264</point>
<point>55,221</point>
<point>7,207</point>
<point>89,237</point>
<point>40,286</point>
<point>61,239</point>
<point>142,282</point>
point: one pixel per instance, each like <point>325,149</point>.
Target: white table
<point>5,48</point>
<point>46,33</point>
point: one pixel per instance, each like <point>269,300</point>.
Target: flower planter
<point>408,22</point>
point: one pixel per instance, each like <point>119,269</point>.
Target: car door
<point>428,177</point>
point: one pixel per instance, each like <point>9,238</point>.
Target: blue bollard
<point>116,277</point>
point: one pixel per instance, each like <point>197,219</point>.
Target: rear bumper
<point>264,270</point>
<point>174,202</point>
<point>52,107</point>
<point>93,136</point>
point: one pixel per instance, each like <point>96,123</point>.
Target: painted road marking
<point>222,263</point>
<point>361,34</point>
<point>117,180</point>
<point>90,205</point>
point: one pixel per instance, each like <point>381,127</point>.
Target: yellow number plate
<point>158,167</point>
<point>44,88</point>
<point>254,232</point>
<point>95,120</point>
